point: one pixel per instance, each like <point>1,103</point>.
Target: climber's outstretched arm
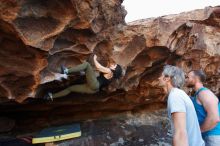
<point>100,67</point>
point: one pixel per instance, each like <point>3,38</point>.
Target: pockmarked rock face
<point>38,36</point>
<point>142,129</point>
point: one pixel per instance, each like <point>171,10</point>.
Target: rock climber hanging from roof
<point>93,84</point>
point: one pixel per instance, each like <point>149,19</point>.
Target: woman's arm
<point>100,67</point>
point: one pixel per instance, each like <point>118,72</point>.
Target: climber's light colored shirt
<point>179,101</point>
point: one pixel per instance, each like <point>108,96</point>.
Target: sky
<point>140,9</point>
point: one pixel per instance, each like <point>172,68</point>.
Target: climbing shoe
<point>64,70</point>
<point>48,96</point>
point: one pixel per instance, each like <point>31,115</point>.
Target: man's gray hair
<point>176,75</point>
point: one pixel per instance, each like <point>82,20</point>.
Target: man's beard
<point>189,85</point>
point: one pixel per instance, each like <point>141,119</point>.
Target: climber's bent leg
<point>80,67</point>
<point>90,74</point>
<point>91,78</point>
<point>83,88</point>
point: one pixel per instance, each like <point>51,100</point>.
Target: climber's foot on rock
<point>64,70</point>
<point>48,96</point>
